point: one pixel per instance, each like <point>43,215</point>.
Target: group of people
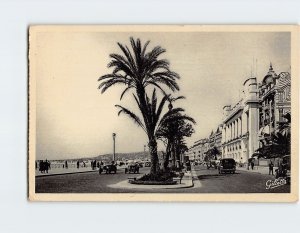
<point>95,164</point>
<point>44,166</point>
<point>271,166</point>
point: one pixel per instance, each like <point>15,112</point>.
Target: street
<point>205,181</point>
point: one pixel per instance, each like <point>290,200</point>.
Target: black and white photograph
<point>156,113</point>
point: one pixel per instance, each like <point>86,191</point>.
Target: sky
<point>75,120</point>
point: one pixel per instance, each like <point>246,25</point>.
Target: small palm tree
<point>137,69</point>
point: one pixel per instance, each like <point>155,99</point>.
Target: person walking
<point>46,164</point>
<point>252,165</point>
<point>78,164</point>
<point>271,166</point>
<point>41,166</point>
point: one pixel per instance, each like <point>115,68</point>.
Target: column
<point>237,128</point>
<point>234,129</point>
<point>241,131</point>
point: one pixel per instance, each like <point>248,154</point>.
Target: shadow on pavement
<point>215,176</point>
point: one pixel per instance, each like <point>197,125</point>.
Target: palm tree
<point>156,120</point>
<point>137,69</point>
<point>172,132</point>
<point>212,153</point>
<point>279,143</point>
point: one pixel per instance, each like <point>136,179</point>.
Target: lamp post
<point>114,146</point>
<point>145,151</point>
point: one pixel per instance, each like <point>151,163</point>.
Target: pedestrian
<point>252,164</point>
<point>41,166</point>
<point>66,164</point>
<point>78,164</point>
<point>46,165</point>
<point>271,166</point>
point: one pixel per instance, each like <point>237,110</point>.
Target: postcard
<point>176,113</point>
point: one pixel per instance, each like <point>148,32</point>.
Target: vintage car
<point>212,163</point>
<point>147,164</point>
<point>284,168</point>
<point>227,166</point>
<point>132,168</point>
<point>108,168</point>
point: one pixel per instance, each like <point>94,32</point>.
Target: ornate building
<point>275,96</point>
<point>250,121</point>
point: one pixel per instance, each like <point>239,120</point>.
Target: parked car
<point>212,163</point>
<point>108,169</point>
<point>227,166</point>
<point>147,164</point>
<point>132,168</point>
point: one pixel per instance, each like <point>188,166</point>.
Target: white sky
<point>75,120</point>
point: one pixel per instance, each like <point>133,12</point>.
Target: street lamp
<point>114,146</point>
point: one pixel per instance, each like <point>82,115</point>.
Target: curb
<point>69,173</point>
<point>57,174</point>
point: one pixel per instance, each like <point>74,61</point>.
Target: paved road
<point>90,182</point>
<point>206,181</point>
<point>240,182</point>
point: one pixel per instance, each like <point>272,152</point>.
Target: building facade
<point>275,96</point>
<point>255,116</point>
<point>198,150</point>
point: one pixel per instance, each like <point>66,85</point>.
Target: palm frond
<point>156,85</point>
<point>131,115</point>
<point>124,92</point>
<point>107,76</point>
<point>160,108</point>
<point>129,57</point>
<point>105,85</point>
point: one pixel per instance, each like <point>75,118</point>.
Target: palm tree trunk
<point>154,158</point>
<point>173,156</point>
<point>168,152</point>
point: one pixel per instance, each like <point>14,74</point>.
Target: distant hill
<point>125,156</point>
<point>119,156</point>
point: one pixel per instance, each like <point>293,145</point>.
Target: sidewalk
<point>62,171</point>
<point>186,182</point>
<point>72,170</point>
<point>257,169</point>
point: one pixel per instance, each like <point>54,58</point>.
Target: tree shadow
<point>216,176</point>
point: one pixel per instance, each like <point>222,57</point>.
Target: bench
<point>180,176</point>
